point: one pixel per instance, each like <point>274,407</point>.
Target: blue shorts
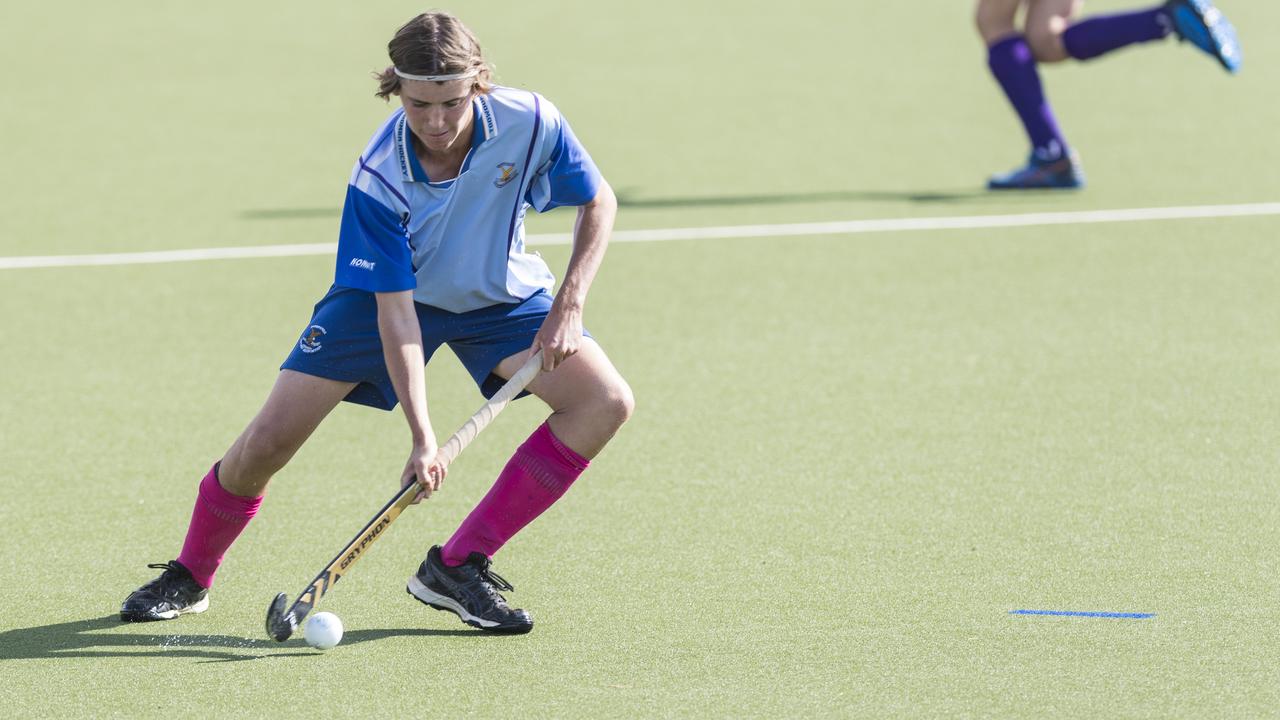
<point>342,341</point>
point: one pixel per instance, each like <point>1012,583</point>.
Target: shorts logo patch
<point>362,264</point>
<point>310,341</point>
<point>509,173</point>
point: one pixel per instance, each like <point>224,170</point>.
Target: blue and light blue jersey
<point>459,243</point>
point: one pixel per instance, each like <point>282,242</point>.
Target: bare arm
<point>402,350</point>
<point>561,334</point>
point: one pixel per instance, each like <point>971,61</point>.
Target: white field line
<point>848,227</point>
<point>166,256</point>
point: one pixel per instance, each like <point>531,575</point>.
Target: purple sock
<point>1014,67</point>
<point>1099,35</point>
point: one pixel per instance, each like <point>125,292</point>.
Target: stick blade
<point>280,622</point>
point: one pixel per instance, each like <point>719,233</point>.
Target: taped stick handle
<point>485,415</point>
<point>281,623</point>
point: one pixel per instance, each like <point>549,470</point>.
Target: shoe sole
<point>195,608</point>
<point>426,596</point>
<point>1213,33</point>
<point>1010,188</point>
<point>1073,179</point>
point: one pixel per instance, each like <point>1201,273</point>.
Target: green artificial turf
<point>852,455</point>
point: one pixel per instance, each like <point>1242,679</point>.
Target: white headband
<point>438,78</point>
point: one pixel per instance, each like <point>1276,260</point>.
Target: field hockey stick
<point>281,623</point>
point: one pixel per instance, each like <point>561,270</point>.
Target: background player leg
<point>1196,21</point>
<point>1013,63</point>
<point>1057,38</point>
<point>230,494</point>
<point>1050,36</point>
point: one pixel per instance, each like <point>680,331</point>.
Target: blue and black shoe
<point>1203,25</point>
<point>470,591</point>
<point>1063,172</point>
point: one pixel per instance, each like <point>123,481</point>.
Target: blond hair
<point>434,43</point>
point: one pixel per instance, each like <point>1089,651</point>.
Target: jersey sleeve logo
<point>507,172</point>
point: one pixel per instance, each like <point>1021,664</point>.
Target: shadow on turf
<point>627,199</point>
<point>79,639</point>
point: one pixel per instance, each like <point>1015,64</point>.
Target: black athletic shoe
<point>469,590</point>
<point>172,594</point>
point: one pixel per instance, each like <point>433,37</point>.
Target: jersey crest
<point>506,173</point>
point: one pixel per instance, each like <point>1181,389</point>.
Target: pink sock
<point>216,522</point>
<point>535,477</point>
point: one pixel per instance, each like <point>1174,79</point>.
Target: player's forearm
<point>402,351</point>
<point>590,238</point>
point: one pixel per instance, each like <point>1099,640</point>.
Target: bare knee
<point>1045,41</point>
<point>602,412</point>
<point>589,421</point>
<point>268,450</point>
<point>615,405</point>
<point>995,19</point>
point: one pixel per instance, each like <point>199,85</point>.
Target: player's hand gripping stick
<point>282,623</point>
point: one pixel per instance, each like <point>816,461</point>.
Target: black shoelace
<point>167,584</point>
<point>491,582</point>
<point>494,579</point>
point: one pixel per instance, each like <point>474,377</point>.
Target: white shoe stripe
<point>420,591</point>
